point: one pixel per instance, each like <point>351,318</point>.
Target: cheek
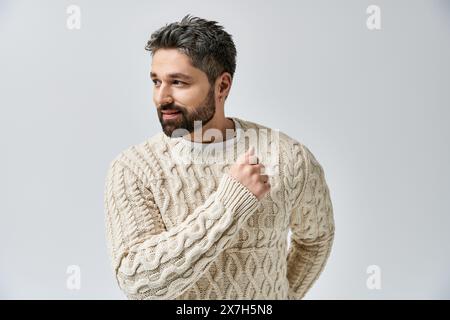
<point>192,96</point>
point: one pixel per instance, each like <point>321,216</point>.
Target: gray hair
<point>210,48</point>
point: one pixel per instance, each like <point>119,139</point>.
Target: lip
<point>170,114</point>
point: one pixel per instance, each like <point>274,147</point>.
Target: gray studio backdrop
<point>372,105</point>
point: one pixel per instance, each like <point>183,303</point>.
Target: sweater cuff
<point>235,196</point>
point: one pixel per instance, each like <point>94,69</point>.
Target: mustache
<point>171,107</point>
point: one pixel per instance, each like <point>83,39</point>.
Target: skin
<point>188,95</point>
<point>195,98</point>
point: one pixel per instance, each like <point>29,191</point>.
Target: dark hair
<point>210,48</point>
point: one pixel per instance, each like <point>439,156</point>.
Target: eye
<point>179,82</point>
<point>154,82</point>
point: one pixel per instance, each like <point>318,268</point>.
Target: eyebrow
<point>173,75</point>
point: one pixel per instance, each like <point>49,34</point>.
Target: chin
<point>171,131</point>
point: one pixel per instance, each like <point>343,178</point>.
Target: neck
<point>218,122</point>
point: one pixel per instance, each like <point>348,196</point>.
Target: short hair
<point>210,48</point>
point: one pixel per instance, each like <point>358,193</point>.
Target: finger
<point>264,178</point>
<point>247,157</point>
<point>241,158</point>
<point>258,168</point>
<point>252,159</point>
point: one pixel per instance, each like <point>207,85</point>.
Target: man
<point>180,226</point>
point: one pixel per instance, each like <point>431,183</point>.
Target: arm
<point>151,262</point>
<point>312,225</point>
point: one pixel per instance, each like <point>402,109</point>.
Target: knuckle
<point>247,169</point>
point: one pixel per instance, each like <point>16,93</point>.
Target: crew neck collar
<point>213,145</point>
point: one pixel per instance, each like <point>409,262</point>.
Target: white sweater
<point>181,228</point>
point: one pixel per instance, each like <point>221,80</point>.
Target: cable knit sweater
<point>180,228</point>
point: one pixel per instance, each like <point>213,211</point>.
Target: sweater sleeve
<point>151,262</point>
<point>312,226</point>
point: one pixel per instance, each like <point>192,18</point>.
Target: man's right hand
<point>248,172</point>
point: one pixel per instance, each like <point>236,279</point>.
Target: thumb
<point>246,156</point>
<point>250,156</point>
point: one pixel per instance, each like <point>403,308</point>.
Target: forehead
<point>168,62</point>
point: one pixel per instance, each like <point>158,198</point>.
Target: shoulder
<point>286,142</point>
<point>140,159</point>
<point>299,157</point>
<point>293,166</point>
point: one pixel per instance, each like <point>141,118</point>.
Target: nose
<point>163,96</point>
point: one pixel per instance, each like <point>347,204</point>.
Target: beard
<point>185,121</point>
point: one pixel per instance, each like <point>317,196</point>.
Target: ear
<point>224,85</point>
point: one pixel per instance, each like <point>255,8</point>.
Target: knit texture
<point>179,228</point>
